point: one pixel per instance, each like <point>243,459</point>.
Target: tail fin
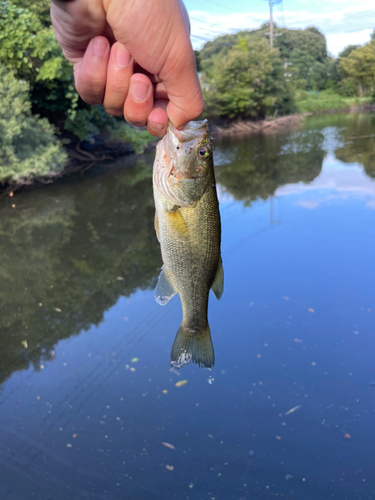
<point>193,347</point>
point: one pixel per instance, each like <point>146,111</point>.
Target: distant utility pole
<point>272,36</point>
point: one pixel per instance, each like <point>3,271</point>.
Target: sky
<point>343,22</point>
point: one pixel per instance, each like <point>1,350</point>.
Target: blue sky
<point>343,22</point>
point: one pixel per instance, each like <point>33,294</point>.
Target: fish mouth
<point>191,132</point>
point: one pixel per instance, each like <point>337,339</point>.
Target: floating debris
<point>311,310</point>
<point>292,410</point>
<point>313,363</point>
<point>132,369</point>
<point>57,309</point>
<point>68,445</point>
<point>41,367</point>
<point>120,278</point>
<point>164,391</point>
<point>74,436</point>
<point>169,467</point>
<point>347,436</point>
<point>24,343</point>
<point>288,476</point>
<point>181,383</point>
<point>210,436</point>
<point>210,380</point>
<point>134,360</point>
<point>168,445</point>
<point>278,438</point>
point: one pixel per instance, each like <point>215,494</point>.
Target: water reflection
<point>68,253</point>
<point>294,329</point>
<point>259,165</point>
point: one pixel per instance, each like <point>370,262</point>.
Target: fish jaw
<point>181,175</point>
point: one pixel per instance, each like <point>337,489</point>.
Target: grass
<point>325,101</point>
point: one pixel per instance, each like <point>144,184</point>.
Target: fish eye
<point>204,152</point>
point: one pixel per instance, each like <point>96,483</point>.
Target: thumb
<point>183,88</point>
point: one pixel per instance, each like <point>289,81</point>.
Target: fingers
<point>91,73</point>
<point>158,119</point>
<point>119,71</point>
<point>140,99</point>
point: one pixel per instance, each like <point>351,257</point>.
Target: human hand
<point>134,56</point>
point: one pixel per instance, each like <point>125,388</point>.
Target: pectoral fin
<point>218,284</point>
<point>157,225</point>
<point>164,289</point>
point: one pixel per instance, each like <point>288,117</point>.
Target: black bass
<point>187,223</point>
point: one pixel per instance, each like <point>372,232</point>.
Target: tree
<point>28,48</point>
<point>358,69</point>
<point>248,82</point>
<point>28,147</point>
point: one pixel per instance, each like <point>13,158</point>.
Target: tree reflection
<point>359,143</point>
<point>63,248</point>
<point>261,164</point>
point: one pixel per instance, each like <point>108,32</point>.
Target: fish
<point>188,227</point>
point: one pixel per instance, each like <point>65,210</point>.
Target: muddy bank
<point>241,127</point>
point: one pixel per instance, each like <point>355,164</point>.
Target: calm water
<point>87,396</point>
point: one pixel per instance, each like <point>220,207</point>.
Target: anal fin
<point>218,284</point>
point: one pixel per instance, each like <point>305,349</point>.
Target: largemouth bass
<point>187,223</point>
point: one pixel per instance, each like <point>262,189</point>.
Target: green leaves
<point>358,69</point>
<point>28,147</point>
<point>247,82</point>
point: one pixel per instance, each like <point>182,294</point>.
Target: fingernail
<point>156,126</point>
<point>99,47</point>
<point>123,56</point>
<point>139,90</point>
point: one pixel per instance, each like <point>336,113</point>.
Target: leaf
<point>181,383</point>
<point>168,445</point>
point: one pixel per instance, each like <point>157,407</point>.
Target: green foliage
<point>39,7</point>
<point>28,48</point>
<point>303,52</point>
<point>247,82</point>
<point>138,139</point>
<point>321,102</point>
<point>89,122</point>
<point>358,69</point>
<point>28,147</point>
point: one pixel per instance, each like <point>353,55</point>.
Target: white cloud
<point>348,181</point>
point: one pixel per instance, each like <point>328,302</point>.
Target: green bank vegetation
<point>40,109</point>
<point>243,77</point>
<point>41,115</point>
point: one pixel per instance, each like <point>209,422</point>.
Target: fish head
<point>188,162</point>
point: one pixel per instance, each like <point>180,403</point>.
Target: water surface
<point>87,396</point>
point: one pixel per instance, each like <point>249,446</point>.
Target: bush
<point>315,102</point>
<point>28,146</point>
<point>248,82</point>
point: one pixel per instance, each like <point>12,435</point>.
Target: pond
<point>90,407</point>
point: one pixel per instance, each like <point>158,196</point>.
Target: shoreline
<point>83,156</point>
